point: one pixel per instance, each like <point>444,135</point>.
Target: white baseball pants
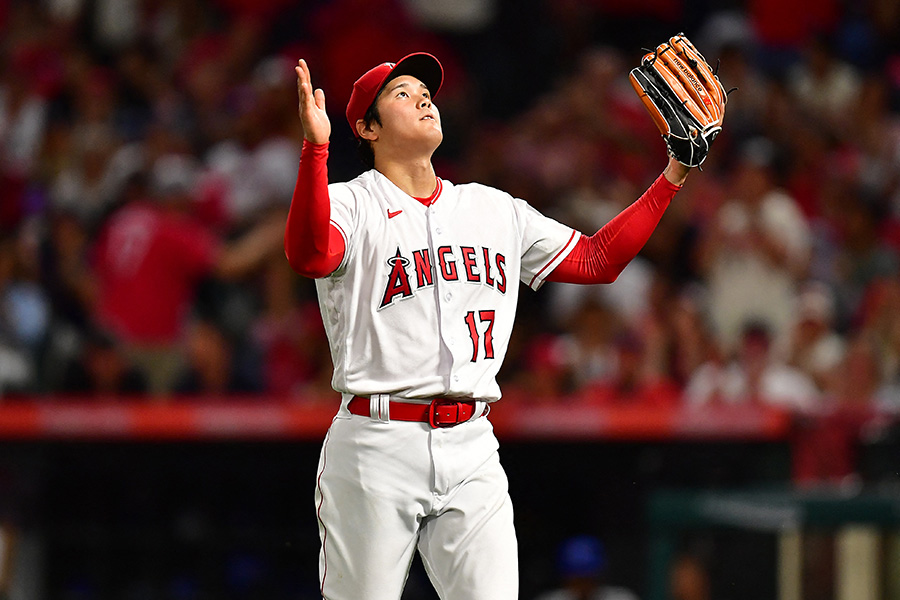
<point>385,489</point>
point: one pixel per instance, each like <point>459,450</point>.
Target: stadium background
<point>754,344</point>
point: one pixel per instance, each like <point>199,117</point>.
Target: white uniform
<point>423,305</point>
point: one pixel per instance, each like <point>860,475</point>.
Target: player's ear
<point>366,131</point>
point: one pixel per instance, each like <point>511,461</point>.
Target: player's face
<point>407,115</point>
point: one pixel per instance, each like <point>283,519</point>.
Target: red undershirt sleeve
<point>601,257</point>
<point>313,245</point>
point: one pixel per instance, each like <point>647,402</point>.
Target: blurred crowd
<point>149,148</point>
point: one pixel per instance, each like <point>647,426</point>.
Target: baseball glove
<point>684,96</point>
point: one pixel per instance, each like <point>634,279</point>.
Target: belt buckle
<point>440,408</point>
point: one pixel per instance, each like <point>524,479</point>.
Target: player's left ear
<point>365,131</point>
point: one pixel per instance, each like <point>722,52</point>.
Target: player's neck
<point>416,178</point>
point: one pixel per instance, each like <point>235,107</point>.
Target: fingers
<point>308,97</point>
<point>303,70</point>
<point>320,99</point>
<point>304,81</point>
<point>313,117</point>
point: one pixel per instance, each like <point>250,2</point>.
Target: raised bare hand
<point>316,126</point>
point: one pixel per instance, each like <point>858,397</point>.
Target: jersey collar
<point>434,195</point>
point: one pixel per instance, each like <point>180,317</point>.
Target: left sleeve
<point>603,256</point>
<point>313,245</point>
<point>545,243</point>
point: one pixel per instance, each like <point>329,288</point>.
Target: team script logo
<point>464,263</point>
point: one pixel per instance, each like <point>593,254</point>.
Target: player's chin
<point>432,125</point>
<point>435,135</point>
<point>428,137</point>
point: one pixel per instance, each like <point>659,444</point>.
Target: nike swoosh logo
<point>393,213</point>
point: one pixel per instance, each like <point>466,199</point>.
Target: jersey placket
<point>438,236</point>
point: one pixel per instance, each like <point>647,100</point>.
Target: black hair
<point>364,147</point>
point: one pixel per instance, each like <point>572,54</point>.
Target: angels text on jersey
<point>413,271</point>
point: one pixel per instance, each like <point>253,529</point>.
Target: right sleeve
<point>603,256</point>
<point>545,243</point>
<point>314,246</point>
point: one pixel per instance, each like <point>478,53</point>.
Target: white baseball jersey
<point>424,301</point>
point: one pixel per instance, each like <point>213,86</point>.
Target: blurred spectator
<point>583,568</point>
<point>462,16</point>
<point>89,185</point>
<point>65,272</point>
<point>151,256</point>
<point>634,381</point>
<point>808,179</point>
<point>547,375</point>
<point>783,29</point>
<point>23,122</point>
<point>756,251</point>
<point>24,314</point>
<point>825,450</point>
<point>259,161</point>
<point>677,334</point>
<point>875,162</point>
<point>824,86</point>
<point>814,346</point>
<point>689,579</point>
<point>754,376</point>
<point>289,334</point>
<point>881,325</point>
<point>16,371</point>
<point>858,375</point>
<point>626,299</point>
<point>588,348</point>
<point>862,259</point>
<point>101,370</point>
<point>213,367</point>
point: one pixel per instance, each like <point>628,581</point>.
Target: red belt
<point>441,412</point>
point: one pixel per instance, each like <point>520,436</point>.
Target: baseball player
<point>418,282</point>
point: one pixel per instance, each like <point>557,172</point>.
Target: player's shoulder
<point>501,202</point>
<point>356,192</point>
<point>477,190</point>
<point>364,182</point>
<point>472,186</point>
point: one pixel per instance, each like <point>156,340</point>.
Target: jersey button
<point>438,230</point>
<point>448,296</point>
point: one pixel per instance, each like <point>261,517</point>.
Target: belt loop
<point>380,407</point>
<point>482,408</point>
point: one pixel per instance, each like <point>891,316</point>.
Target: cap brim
<point>422,66</point>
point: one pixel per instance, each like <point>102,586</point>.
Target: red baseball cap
<point>421,65</point>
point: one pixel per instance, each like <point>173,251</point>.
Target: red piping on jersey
<point>341,233</point>
<point>538,274</point>
<point>438,186</point>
